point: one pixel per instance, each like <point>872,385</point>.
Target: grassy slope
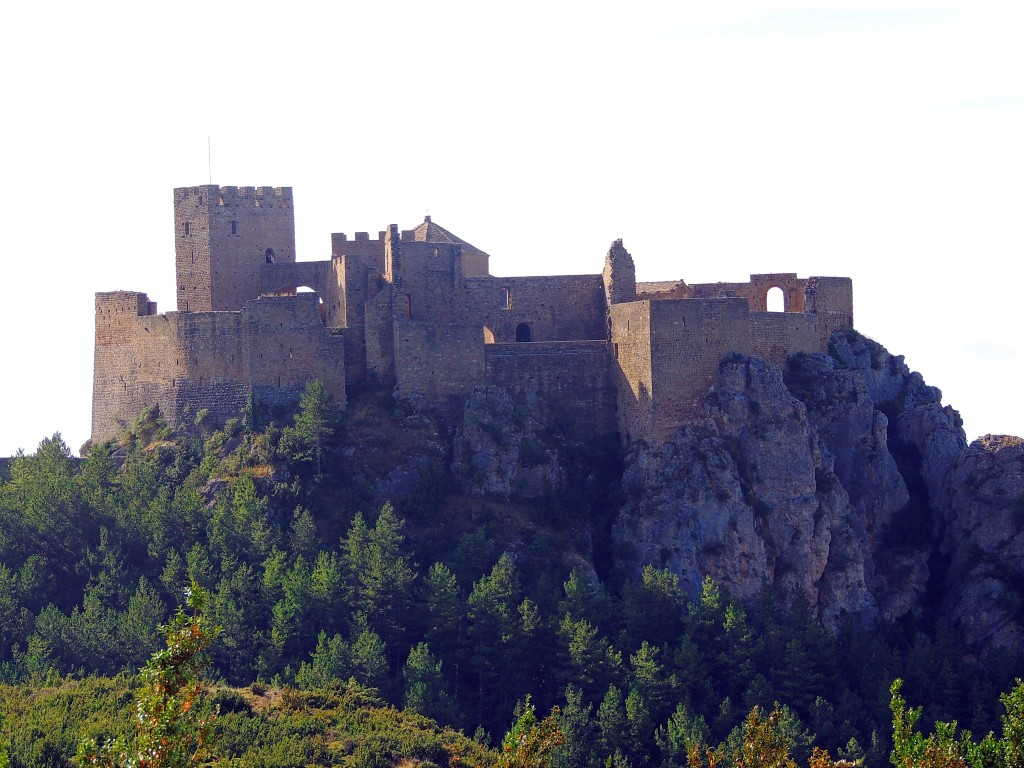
<point>346,726</point>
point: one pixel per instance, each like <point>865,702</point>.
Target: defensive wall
<point>184,362</point>
<point>557,308</point>
<point>571,378</point>
<point>418,311</point>
<point>667,351</point>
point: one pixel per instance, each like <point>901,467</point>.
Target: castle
<point>420,311</point>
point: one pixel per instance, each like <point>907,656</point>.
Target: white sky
<point>880,141</point>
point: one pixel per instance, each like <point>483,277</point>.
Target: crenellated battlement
<point>235,196</point>
<point>359,237</point>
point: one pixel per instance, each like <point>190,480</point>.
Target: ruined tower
<point>222,238</point>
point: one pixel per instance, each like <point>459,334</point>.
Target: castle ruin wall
<point>437,360</point>
<point>831,300</point>
<point>559,308</point>
<point>571,378</point>
<point>185,362</point>
<point>632,374</point>
<point>688,339</point>
<point>774,336</point>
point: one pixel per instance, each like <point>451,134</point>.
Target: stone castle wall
<point>184,362</point>
<point>223,235</point>
<point>607,352</point>
<point>688,338</point>
<point>632,372</point>
<point>427,282</point>
<point>774,336</point>
<point>437,360</point>
<point>831,301</point>
<point>666,354</point>
<point>561,308</point>
<point>571,379</point>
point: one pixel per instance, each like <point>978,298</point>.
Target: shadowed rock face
<point>984,539</point>
<point>842,481</point>
<point>498,450</point>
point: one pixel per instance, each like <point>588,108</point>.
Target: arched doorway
<point>776,300</point>
<point>523,332</point>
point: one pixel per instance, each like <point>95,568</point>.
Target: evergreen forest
<point>430,627</point>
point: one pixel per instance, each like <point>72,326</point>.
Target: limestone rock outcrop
<point>499,450</point>
<point>749,497</point>
<point>984,540</point>
<point>842,481</point>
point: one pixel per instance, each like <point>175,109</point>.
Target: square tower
<point>222,238</point>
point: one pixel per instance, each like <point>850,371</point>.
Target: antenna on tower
<point>209,158</point>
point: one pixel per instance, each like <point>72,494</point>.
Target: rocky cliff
<point>841,481</point>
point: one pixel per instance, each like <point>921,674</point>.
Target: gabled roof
<point>429,232</point>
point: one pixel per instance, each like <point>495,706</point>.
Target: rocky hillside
<point>841,481</point>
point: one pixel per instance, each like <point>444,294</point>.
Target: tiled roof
<point>429,232</point>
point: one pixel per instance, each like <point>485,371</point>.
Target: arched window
<point>270,255</point>
<point>523,332</point>
<point>488,335</point>
<point>776,300</point>
<point>508,298</point>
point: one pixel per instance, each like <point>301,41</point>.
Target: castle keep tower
<point>222,238</point>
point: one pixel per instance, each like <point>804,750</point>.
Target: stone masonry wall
<point>631,368</point>
<point>437,360</point>
<point>379,339</point>
<point>184,362</point>
<point>287,346</point>
<point>429,282</point>
<point>774,336</point>
<point>831,299</point>
<point>223,237</point>
<point>562,308</point>
<point>115,396</point>
<point>755,291</point>
<point>688,339</point>
<point>572,378</point>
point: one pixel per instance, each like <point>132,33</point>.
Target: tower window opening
<point>775,301</point>
<point>270,255</point>
<point>508,298</point>
<point>234,227</point>
<point>523,332</point>
<point>188,228</point>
